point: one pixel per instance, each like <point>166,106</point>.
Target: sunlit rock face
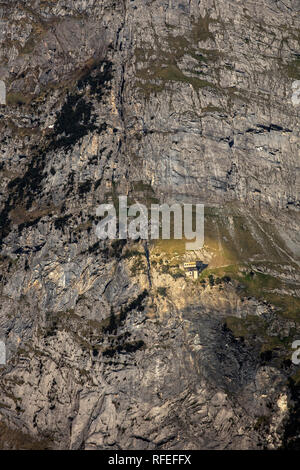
<point>108,344</point>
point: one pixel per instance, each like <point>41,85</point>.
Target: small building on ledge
<point>193,269</point>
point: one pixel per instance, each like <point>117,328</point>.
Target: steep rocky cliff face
<point>109,345</point>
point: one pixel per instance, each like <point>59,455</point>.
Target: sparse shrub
<point>60,223</point>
